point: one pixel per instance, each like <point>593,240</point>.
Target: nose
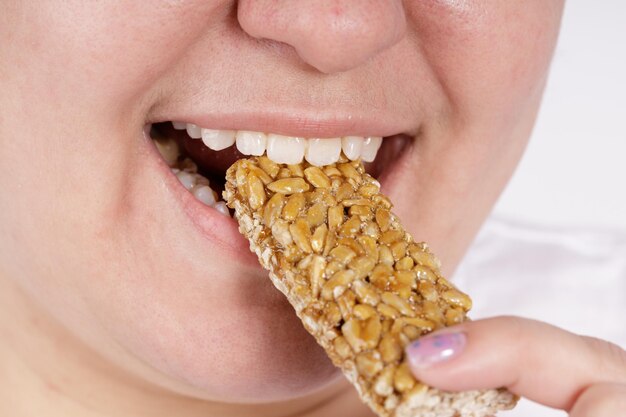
<point>330,35</point>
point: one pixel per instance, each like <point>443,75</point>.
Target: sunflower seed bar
<point>357,280</point>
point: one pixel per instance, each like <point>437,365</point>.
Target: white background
<point>574,170</point>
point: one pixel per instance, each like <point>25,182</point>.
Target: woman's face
<point>96,230</point>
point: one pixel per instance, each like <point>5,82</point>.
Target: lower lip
<point>212,225</point>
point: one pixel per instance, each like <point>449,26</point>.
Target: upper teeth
<point>286,149</point>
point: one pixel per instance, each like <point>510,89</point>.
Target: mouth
<point>198,157</point>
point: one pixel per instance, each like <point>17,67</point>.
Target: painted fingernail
<point>432,349</point>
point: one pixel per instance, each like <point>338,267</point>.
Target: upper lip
<point>326,124</point>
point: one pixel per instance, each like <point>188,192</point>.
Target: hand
<point>581,375</point>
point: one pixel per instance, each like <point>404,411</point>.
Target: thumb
<point>533,359</point>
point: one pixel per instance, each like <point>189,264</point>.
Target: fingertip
<point>463,357</point>
<point>434,348</point>
<point>437,358</point>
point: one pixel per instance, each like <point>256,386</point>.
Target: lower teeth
<point>187,173</point>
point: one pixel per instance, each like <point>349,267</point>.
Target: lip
<point>219,229</point>
<point>297,124</point>
<point>212,225</point>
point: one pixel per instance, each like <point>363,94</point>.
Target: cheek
<point>490,56</point>
<point>101,53</point>
<point>490,60</point>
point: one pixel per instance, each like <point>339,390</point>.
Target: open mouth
<point>199,157</point>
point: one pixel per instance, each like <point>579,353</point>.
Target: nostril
<point>327,36</point>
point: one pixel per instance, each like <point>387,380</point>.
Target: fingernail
<point>435,348</point>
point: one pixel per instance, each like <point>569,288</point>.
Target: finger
<point>601,400</point>
<point>533,359</point>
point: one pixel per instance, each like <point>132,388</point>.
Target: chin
<point>257,353</point>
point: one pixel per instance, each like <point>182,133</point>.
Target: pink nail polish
<point>435,348</point>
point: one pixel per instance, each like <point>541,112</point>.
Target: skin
<point>113,303</point>
<point>583,375</point>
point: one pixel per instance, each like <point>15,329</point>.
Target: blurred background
<point>554,248</point>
